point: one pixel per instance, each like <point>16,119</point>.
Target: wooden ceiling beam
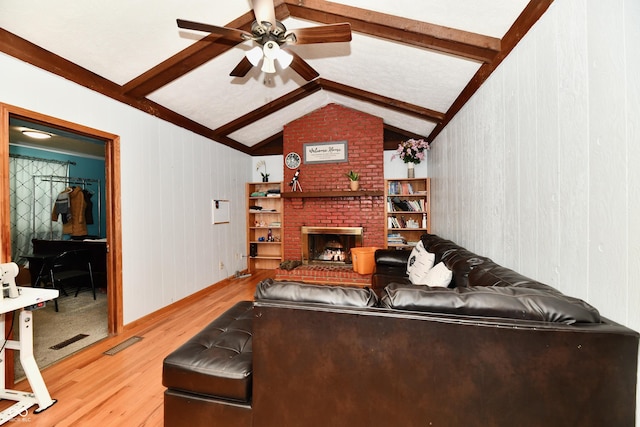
<point>269,146</point>
<point>416,33</point>
<point>383,101</point>
<point>270,108</point>
<point>26,51</point>
<point>529,16</point>
<point>192,57</point>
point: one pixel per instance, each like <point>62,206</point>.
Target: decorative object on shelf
<point>265,175</point>
<point>354,180</point>
<point>295,183</point>
<point>411,152</point>
<point>411,170</point>
<point>292,161</point>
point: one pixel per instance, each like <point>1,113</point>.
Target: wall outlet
<point>221,265</point>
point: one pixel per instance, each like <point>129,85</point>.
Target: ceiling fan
<point>271,36</point>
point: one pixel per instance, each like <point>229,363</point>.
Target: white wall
<point>170,249</point>
<point>274,165</point>
<point>396,168</point>
<point>392,168</point>
<point>540,171</point>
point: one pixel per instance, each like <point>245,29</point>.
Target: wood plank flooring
<point>126,389</point>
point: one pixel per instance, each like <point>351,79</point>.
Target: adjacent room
<point>286,213</point>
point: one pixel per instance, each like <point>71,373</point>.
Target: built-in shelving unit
<point>407,211</point>
<point>264,225</point>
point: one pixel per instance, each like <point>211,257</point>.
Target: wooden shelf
<point>413,190</point>
<point>319,194</point>
<point>267,255</point>
<point>391,229</point>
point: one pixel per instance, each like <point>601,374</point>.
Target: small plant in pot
<point>265,175</point>
<point>354,180</point>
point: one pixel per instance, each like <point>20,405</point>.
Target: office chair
<point>71,267</point>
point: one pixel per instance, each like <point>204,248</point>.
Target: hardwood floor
<point>126,389</point>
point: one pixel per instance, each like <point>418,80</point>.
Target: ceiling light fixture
<point>268,54</point>
<point>36,134</point>
<point>254,55</point>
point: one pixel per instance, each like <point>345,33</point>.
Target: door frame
<point>112,205</point>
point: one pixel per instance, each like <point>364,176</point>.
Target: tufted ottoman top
<point>218,360</point>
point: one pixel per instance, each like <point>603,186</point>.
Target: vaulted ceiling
<point>412,63</point>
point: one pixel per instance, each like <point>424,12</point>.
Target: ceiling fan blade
<point>332,33</point>
<point>301,67</point>
<point>242,68</point>
<point>227,33</point>
<point>264,10</point>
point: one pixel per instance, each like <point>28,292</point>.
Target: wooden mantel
<point>319,194</point>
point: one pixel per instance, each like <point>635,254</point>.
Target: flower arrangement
<point>265,175</point>
<point>412,150</point>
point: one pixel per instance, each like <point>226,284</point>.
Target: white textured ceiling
<point>120,40</point>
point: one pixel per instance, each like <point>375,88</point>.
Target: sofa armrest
<point>392,257</point>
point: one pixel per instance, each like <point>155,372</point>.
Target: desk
<point>40,395</point>
<point>97,248</point>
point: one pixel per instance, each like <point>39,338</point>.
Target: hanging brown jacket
<point>76,224</point>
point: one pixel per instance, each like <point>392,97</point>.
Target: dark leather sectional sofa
<point>493,349</point>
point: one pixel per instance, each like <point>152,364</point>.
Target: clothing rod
<point>69,180</point>
<point>60,162</point>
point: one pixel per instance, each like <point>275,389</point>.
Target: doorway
<point>112,228</point>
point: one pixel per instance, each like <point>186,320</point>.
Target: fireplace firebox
<point>329,245</point>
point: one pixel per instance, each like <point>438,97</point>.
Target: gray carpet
<point>80,322</point>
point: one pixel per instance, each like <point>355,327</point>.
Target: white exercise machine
<point>14,298</point>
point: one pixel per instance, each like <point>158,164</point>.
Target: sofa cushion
<point>492,274</point>
<point>461,262</point>
<point>351,296</point>
<point>218,360</point>
<point>503,301</point>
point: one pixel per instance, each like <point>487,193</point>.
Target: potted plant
<point>354,180</point>
<point>265,175</point>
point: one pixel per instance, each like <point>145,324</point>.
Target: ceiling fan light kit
<point>272,35</point>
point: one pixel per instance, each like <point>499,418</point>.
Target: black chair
<point>71,267</point>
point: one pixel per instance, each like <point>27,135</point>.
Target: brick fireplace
<point>317,206</point>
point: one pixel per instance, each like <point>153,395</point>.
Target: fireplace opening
<point>329,245</point>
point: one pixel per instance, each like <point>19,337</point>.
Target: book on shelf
<point>397,187</point>
<point>402,222</point>
<point>396,239</point>
<point>395,204</point>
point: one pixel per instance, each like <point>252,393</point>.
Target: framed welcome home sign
<point>325,152</point>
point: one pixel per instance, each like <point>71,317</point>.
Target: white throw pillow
<point>421,266</point>
<point>439,275</point>
<point>415,252</point>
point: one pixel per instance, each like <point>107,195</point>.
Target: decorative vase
<point>411,172</point>
<point>354,185</point>
<point>265,179</point>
